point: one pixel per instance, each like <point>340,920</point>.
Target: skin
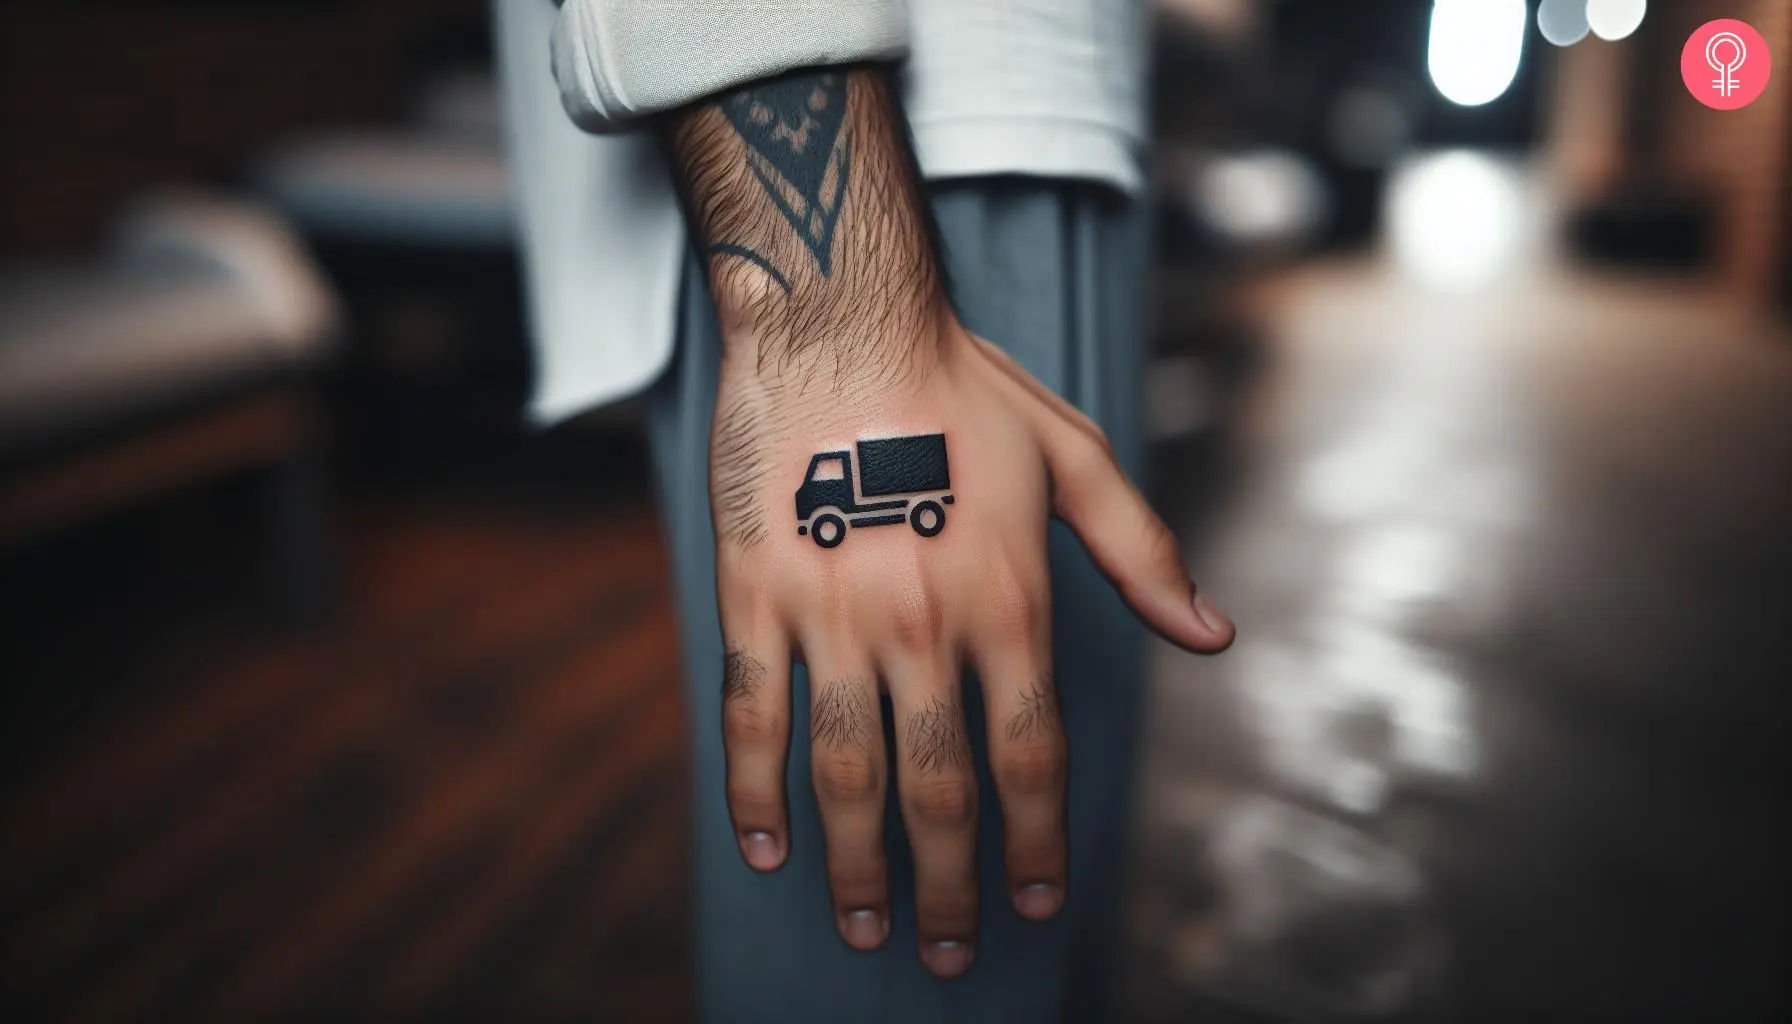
<point>837,327</point>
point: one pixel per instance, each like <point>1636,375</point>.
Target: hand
<point>889,609</point>
<point>921,556</point>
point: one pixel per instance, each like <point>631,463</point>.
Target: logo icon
<point>1726,64</point>
<point>887,467</point>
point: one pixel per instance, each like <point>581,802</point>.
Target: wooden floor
<point>462,798</point>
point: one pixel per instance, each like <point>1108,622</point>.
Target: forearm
<point>805,201</point>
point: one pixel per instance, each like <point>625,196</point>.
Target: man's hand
<point>896,566</point>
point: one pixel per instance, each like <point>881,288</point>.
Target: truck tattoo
<point>912,466</point>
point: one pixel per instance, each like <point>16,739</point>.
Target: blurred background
<point>332,690</point>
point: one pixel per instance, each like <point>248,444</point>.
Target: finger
<point>756,737</point>
<point>1026,743</point>
<point>1130,544</point>
<point>846,743</point>
<point>939,806</point>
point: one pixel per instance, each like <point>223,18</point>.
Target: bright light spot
<point>1261,197</point>
<point>1401,564</point>
<point>1426,702</point>
<point>1455,221</point>
<point>1615,19</point>
<point>1475,48</point>
<point>1563,22</point>
<point>1357,481</point>
<point>1359,787</point>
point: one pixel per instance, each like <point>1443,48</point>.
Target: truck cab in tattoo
<point>911,466</point>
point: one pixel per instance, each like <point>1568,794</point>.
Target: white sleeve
<point>1054,88</point>
<point>602,242</point>
<point>619,60</point>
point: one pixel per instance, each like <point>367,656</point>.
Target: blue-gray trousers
<point>1056,274</point>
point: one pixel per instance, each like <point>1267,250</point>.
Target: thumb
<point>1130,544</point>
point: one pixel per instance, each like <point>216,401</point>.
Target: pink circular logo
<point>1726,64</point>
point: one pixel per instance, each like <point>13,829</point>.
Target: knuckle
<point>1016,610</point>
<point>838,600</point>
<point>1161,545</point>
<point>747,722</point>
<point>945,803</point>
<point>847,779</point>
<point>947,911</point>
<point>918,619</point>
<point>753,804</point>
<point>856,879</point>
<point>745,598</point>
<point>1034,769</point>
<point>1038,858</point>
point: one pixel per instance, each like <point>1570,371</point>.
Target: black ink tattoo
<point>799,152</point>
<point>936,740</point>
<point>887,466</point>
<point>726,249</point>
<point>742,674</point>
<point>803,194</point>
<point>1037,718</point>
<point>843,715</point>
<point>736,465</point>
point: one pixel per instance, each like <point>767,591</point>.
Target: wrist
<point>808,211</point>
<point>838,339</point>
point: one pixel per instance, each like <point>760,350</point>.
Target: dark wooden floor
<point>462,798</point>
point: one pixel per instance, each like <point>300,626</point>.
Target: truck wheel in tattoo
<point>914,466</point>
<point>928,518</point>
<point>828,530</point>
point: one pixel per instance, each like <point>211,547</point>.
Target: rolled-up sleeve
<point>617,61</point>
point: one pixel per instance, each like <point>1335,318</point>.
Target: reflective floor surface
<point>1508,546</point>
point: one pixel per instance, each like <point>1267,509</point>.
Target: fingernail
<point>864,929</point>
<point>947,959</point>
<point>1210,615</point>
<point>761,851</point>
<point>1038,901</point>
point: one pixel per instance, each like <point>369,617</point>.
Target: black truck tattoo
<point>913,466</point>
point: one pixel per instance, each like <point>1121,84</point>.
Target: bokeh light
<point>1563,22</point>
<point>1615,19</point>
<point>1475,47</point>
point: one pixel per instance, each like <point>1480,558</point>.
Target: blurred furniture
<point>413,225</point>
<point>187,353</point>
<point>1646,228</point>
<point>438,181</point>
<point>416,227</point>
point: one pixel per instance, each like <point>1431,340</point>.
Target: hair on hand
<point>742,674</point>
<point>843,715</point>
<point>1037,717</point>
<point>804,193</point>
<point>935,737</point>
<point>736,464</point>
